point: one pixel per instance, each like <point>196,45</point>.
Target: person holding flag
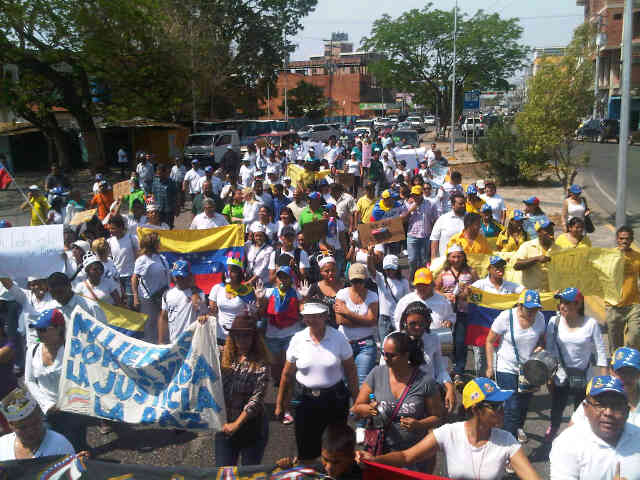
<point>38,204</point>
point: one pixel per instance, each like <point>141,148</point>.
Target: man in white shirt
<point>442,314</point>
<point>30,437</point>
<point>448,225</point>
<point>124,251</point>
<point>495,201</point>
<point>247,173</point>
<point>345,204</point>
<point>332,152</point>
<point>191,183</point>
<point>61,291</point>
<point>430,155</point>
<point>608,447</point>
<point>209,218</point>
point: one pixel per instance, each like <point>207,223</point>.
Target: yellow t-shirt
<point>365,207</point>
<point>478,245</point>
<point>629,293</point>
<point>40,210</point>
<point>509,243</point>
<point>536,276</point>
<point>564,242</point>
<point>474,207</point>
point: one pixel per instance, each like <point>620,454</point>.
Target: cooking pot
<point>444,334</point>
<point>540,367</point>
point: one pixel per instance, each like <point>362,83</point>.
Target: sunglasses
<point>494,406</point>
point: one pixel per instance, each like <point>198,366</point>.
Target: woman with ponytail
<point>405,399</point>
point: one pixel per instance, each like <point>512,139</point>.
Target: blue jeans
<point>227,453</point>
<point>516,408</point>
<point>385,327</point>
<point>125,283</point>
<point>418,252</point>
<point>459,348</point>
<point>277,345</point>
<point>364,355</point>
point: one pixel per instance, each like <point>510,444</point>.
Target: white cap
<point>258,227</point>
<point>390,262</point>
<point>153,207</point>
<point>480,184</point>
<point>89,258</point>
<point>83,244</point>
<point>314,309</point>
<point>32,278</point>
<point>34,187</point>
<point>454,248</point>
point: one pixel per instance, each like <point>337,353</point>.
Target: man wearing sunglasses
<point>607,448</point>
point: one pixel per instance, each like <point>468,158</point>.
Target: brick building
<point>343,75</point>
<point>607,14</point>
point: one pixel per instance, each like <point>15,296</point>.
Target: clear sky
<point>546,23</point>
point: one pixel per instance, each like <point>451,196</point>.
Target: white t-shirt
<point>487,462</point>
<point>102,291</point>
<point>304,258</point>
<point>275,332</point>
<point>153,273</point>
<point>123,252</point>
<point>228,308</point>
<point>53,443</point>
<point>132,224</point>
<point>356,333</point>
<point>246,175</point>
<point>353,167</point>
<point>578,454</point>
<point>280,225</point>
<point>42,380</point>
<point>441,310</point>
<point>504,289</point>
<point>387,290</point>
<point>180,312</point>
<point>497,205</point>
<point>258,261</point>
<point>526,340</point>
<point>319,365</point>
<point>446,226</point>
<point>192,177</point>
<point>202,221</point>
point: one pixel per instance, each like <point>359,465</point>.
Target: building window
<point>636,24</point>
<point>617,16</point>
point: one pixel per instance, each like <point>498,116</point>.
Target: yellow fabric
<point>480,263</point>
<point>478,245</point>
<point>563,241</point>
<point>629,293</point>
<point>122,317</point>
<point>189,241</point>
<point>365,207</point>
<point>500,301</point>
<point>507,243</point>
<point>40,209</point>
<point>535,277</point>
<point>474,207</point>
<point>472,395</point>
<point>299,175</point>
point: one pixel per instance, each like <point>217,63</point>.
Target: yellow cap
<point>416,190</point>
<point>386,194</point>
<point>423,276</point>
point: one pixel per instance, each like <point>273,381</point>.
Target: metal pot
<point>540,367</point>
<point>444,334</point>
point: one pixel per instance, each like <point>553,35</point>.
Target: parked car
<point>319,132</point>
<point>209,147</point>
<point>381,122</point>
<point>599,130</point>
<point>469,124</point>
<point>366,122</point>
<point>430,120</point>
<point>406,125</point>
<point>359,131</point>
<point>417,124</point>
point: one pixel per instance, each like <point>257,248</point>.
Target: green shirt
<point>308,216</point>
<point>233,211</point>
<point>376,170</point>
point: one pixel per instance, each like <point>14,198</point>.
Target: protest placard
<point>31,251</point>
<point>314,231</point>
<point>121,189</point>
<point>387,230</point>
<point>84,216</point>
<point>110,375</point>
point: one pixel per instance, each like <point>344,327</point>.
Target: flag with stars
<point>206,250</point>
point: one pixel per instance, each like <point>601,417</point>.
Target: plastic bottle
<point>376,421</point>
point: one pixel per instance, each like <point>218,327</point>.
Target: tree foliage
<point>306,100</point>
<point>559,96</point>
<point>417,49</point>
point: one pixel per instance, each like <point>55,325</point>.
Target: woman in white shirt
<point>287,218</point>
<point>392,286</point>
<point>102,248</point>
<point>572,338</point>
<point>320,359</point>
<point>519,332</point>
<point>474,449</point>
<point>575,205</point>
<point>357,314</point>
<point>97,286</point>
<point>258,255</point>
<point>42,376</point>
<point>354,167</point>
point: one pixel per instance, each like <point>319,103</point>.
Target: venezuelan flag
<point>206,250</point>
<point>124,320</point>
<point>484,307</point>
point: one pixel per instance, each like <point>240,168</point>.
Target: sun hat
<point>90,258</point>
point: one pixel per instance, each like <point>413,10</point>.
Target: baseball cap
<point>480,184</point>
<point>323,182</point>
<point>17,405</point>
<point>89,259</point>
<point>357,271</point>
<point>485,208</point>
<point>482,389</point>
<point>181,268</point>
<point>329,206</point>
<point>543,224</point>
<point>530,299</point>
<point>195,160</point>
<point>569,294</point>
<point>423,276</point>
<point>208,169</point>
<point>455,248</point>
<point>386,194</point>
<point>153,207</point>
<point>286,270</point>
<point>575,189</point>
<point>518,215</point>
<point>603,384</point>
<point>416,190</point>
<point>314,308</point>
<point>531,201</point>
<point>235,262</point>
<point>496,260</point>
<point>315,196</point>
<point>625,357</point>
<point>48,318</point>
<point>390,262</point>
<point>99,177</point>
<point>472,190</point>
<point>258,227</point>
<point>82,245</point>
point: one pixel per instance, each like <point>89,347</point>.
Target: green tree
<point>306,100</point>
<point>417,51</point>
<point>558,97</point>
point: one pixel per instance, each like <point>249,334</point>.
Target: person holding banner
<point>474,449</point>
<point>42,377</point>
<point>519,332</point>
<point>97,286</point>
<point>532,257</point>
<point>574,236</point>
<point>510,239</point>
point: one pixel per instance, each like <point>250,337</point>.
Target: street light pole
<point>625,114</point>
<point>453,81</point>
<point>597,75</point>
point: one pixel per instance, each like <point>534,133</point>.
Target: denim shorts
<point>277,345</point>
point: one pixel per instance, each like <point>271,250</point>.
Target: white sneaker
<point>360,435</point>
<point>522,436</point>
<point>509,470</point>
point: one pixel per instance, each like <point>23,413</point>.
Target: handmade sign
<point>387,230</point>
<point>314,231</point>
<point>82,217</point>
<point>31,251</point>
<point>121,189</point>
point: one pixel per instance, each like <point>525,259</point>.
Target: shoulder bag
<point>576,379</point>
<point>374,437</point>
<point>523,384</point>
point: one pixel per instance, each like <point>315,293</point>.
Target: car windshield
<point>363,123</point>
<point>411,138</point>
<point>413,119</point>
<point>200,140</point>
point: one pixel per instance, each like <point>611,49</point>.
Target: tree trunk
<point>63,150</point>
<point>93,143</point>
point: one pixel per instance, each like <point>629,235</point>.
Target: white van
<point>210,147</point>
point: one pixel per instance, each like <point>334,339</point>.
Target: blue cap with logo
<point>569,294</point>
<point>530,299</point>
<point>625,357</point>
<point>315,196</point>
<point>485,208</point>
<point>48,318</point>
<point>518,216</point>
<point>482,389</point>
<point>543,224</point>
<point>603,384</point>
<point>181,268</point>
<point>496,260</point>
<point>472,189</point>
<point>285,269</point>
<point>575,189</point>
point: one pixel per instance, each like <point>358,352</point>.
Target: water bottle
<point>376,421</point>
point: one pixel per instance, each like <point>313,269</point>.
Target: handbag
<point>588,224</point>
<point>374,437</point>
<point>576,378</point>
<point>524,386</point>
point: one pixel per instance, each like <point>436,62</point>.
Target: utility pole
<point>597,75</point>
<point>453,82</point>
<point>268,102</point>
<point>286,79</point>
<point>625,114</point>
